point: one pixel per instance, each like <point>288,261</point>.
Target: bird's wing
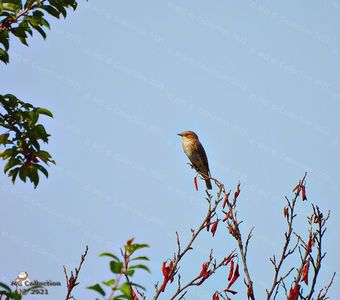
<point>202,154</point>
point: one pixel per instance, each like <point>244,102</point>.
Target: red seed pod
<point>204,273</point>
<point>167,273</point>
<point>134,295</point>
<point>216,296</point>
<point>238,190</point>
<point>294,292</point>
<point>231,270</point>
<point>303,192</point>
<point>305,271</point>
<point>285,212</point>
<point>230,291</point>
<point>214,227</point>
<point>227,216</point>
<point>310,243</point>
<point>235,277</point>
<point>195,183</point>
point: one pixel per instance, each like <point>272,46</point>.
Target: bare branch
<point>323,292</point>
<point>250,234</point>
<point>72,280</point>
<point>285,251</point>
<point>318,218</point>
<point>189,246</point>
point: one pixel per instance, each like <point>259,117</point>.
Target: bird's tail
<point>208,184</point>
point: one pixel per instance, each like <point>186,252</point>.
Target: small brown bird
<point>194,150</point>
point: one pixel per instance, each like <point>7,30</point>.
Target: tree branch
<point>285,252</point>
<point>72,280</point>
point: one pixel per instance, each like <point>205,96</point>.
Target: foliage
<point>123,269</point>
<point>23,135</point>
<point>18,293</point>
<point>19,18</point>
<point>22,139</point>
<point>5,290</point>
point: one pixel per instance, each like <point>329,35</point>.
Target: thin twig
<point>250,234</point>
<point>181,252</point>
<point>323,292</point>
<point>193,282</point>
<point>318,218</point>
<point>72,280</point>
<point>285,251</point>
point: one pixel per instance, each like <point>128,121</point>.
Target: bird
<point>195,152</point>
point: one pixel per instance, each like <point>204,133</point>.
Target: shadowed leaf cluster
<point>22,139</point>
<point>21,19</point>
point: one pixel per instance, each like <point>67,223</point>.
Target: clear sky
<point>259,84</point>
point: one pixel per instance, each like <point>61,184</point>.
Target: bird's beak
<point>180,134</point>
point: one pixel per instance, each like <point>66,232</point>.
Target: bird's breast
<point>188,147</point>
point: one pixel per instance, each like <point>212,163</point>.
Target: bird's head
<point>188,135</point>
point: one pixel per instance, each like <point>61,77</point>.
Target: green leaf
<point>44,111</point>
<point>29,3</point>
<point>40,30</point>
<point>122,297</point>
<point>42,169</point>
<point>4,286</point>
<point>23,173</point>
<point>97,288</point>
<point>141,258</point>
<point>34,117</point>
<point>11,163</point>
<point>37,14</point>
<point>74,5</point>
<point>14,296</point>
<point>32,174</point>
<point>134,247</point>
<point>116,267</point>
<point>4,39</point>
<point>14,173</point>
<point>125,288</point>
<point>109,282</point>
<point>43,155</point>
<point>42,134</point>
<point>51,10</point>
<point>59,7</point>
<point>4,56</point>
<point>110,255</point>
<point>44,22</point>
<point>130,272</point>
<point>32,21</point>
<point>7,153</point>
<point>13,7</point>
<point>35,144</point>
<point>20,33</point>
<point>140,267</point>
<point>4,138</point>
<point>16,2</point>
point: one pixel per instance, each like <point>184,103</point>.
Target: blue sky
<point>259,84</point>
